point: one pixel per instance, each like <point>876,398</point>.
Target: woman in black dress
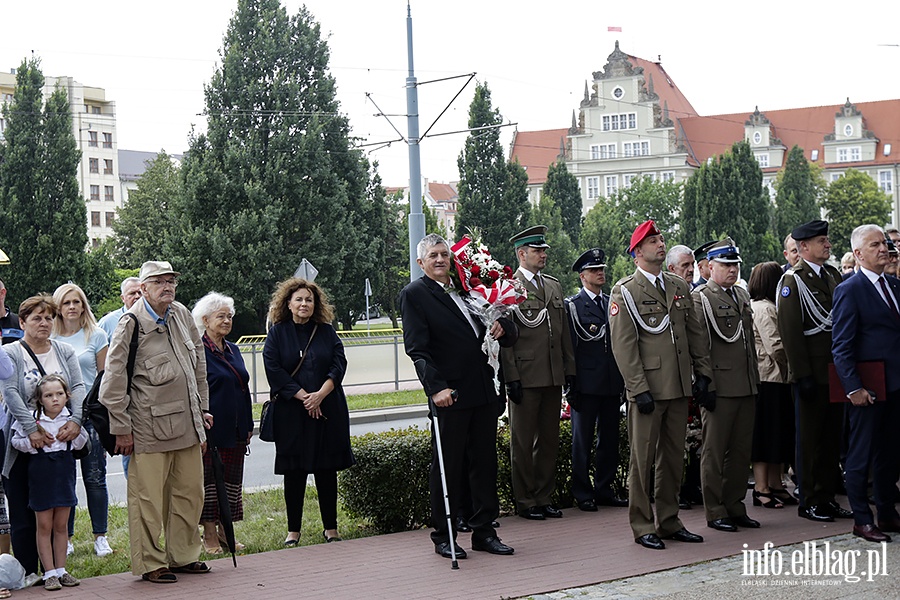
<point>312,423</point>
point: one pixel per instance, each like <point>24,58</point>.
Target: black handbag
<point>95,410</point>
<point>267,416</point>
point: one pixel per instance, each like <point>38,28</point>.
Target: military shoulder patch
<point>785,292</point>
<point>613,309</point>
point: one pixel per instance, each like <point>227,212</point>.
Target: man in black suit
<point>444,342</point>
<point>866,327</point>
<point>596,394</point>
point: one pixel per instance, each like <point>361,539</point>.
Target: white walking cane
<point>454,564</point>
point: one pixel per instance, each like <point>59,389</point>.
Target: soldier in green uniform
<point>658,344</point>
<point>536,367</point>
<point>804,321</point>
<point>724,311</point>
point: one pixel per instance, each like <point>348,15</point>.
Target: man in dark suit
<point>867,328</point>
<point>596,395</point>
<point>804,321</point>
<point>444,342</point>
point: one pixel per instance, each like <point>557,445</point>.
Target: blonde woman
<point>75,325</point>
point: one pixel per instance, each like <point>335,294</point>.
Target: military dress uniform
<point>655,339</point>
<point>804,320</point>
<point>728,429</point>
<point>540,360</point>
<point>598,387</point>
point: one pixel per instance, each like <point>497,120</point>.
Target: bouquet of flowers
<point>491,291</point>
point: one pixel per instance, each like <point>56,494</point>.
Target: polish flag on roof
<point>619,29</point>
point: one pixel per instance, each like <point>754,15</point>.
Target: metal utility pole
<point>416,216</point>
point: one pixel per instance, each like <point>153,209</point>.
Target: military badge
<point>785,292</point>
<point>593,328</point>
<point>613,309</point>
<point>652,321</point>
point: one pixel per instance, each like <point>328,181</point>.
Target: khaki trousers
<point>534,445</point>
<point>656,440</point>
<point>165,496</point>
<point>725,456</point>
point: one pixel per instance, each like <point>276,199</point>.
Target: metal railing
<point>373,358</point>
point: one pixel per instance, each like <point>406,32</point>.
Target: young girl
<point>51,478</point>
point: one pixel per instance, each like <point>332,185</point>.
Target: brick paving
<point>575,552</point>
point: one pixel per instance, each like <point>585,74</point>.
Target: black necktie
<point>599,300</point>
<point>887,296</point>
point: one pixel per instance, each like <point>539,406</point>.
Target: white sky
<point>154,57</point>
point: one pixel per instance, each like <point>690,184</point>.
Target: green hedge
<point>389,484</point>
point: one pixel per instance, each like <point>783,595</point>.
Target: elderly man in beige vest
<point>161,422</point>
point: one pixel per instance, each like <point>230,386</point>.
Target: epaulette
<point>700,287</point>
<point>551,277</point>
<point>572,297</point>
<point>625,279</point>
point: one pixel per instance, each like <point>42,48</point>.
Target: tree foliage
<point>44,229</point>
<point>562,252</point>
<point>138,227</point>
<point>275,179</point>
<point>609,224</point>
<point>563,188</point>
<point>853,200</point>
<point>493,193</point>
<point>726,197</point>
<point>796,201</point>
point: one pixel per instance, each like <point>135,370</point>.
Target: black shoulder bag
<point>95,410</point>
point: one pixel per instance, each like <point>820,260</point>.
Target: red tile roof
<point>441,192</point>
<point>668,92</point>
<point>804,127</point>
<point>536,151</point>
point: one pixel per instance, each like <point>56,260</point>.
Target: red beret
<point>643,230</point>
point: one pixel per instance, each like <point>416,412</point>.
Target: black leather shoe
<point>723,524</point>
<point>892,525</point>
<point>684,504</point>
<point>835,510</point>
<point>870,533</point>
<point>495,524</point>
<point>462,525</point>
<point>683,535</point>
<point>617,502</point>
<point>815,513</point>
<point>534,513</point>
<point>551,512</point>
<point>652,541</point>
<point>492,545</point>
<point>745,521</point>
<point>587,506</point>
<point>444,550</point>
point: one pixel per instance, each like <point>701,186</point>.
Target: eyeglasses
<point>162,282</point>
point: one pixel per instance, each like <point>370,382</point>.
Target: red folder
<point>870,372</point>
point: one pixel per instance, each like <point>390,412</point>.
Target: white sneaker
<point>101,546</point>
<point>69,548</point>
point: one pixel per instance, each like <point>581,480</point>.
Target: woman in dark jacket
<point>312,423</point>
<point>229,403</point>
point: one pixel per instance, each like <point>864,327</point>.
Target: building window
<point>108,193</point>
<point>612,184</point>
<point>835,176</point>
<point>595,152</point>
<point>814,155</point>
<point>107,166</point>
<point>95,192</point>
<point>107,140</point>
<point>95,218</point>
<point>768,184</point>
<point>849,154</point>
<point>92,139</point>
<point>757,137</point>
<point>667,176</point>
<point>95,242</point>
<point>593,188</point>
<point>763,159</point>
<point>848,130</point>
<point>650,177</point>
<point>855,154</point>
<point>628,179</point>
<point>636,149</point>
<point>886,181</point>
<point>110,218</point>
<point>607,151</point>
<point>95,165</point>
<point>95,110</point>
<point>617,122</point>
